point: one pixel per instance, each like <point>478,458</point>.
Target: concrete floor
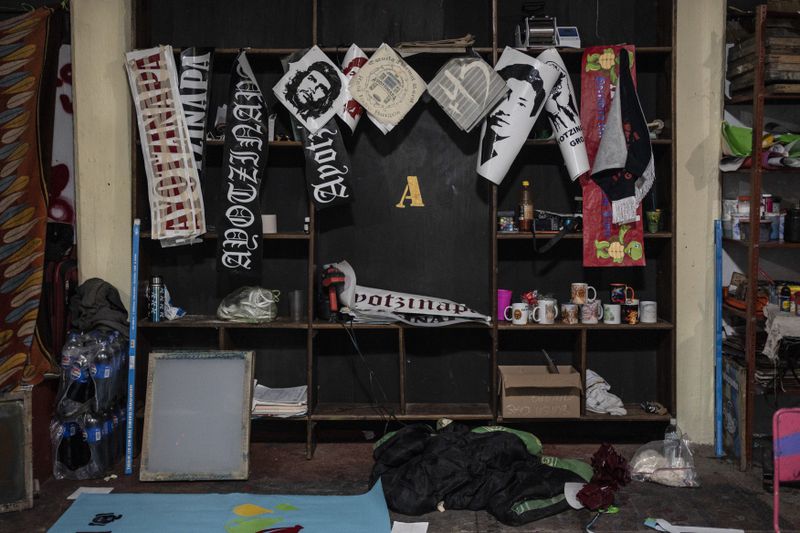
<point>727,497</point>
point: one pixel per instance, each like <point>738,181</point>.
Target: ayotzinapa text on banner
<point>327,166</point>
<point>605,244</point>
<point>562,111</point>
<point>173,185</point>
<point>507,126</point>
<point>195,91</point>
<point>244,160</point>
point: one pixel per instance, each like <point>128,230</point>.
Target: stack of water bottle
<point>88,430</point>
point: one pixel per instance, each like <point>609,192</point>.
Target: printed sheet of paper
<point>351,111</point>
<point>387,86</point>
<point>507,126</point>
<point>562,111</point>
<point>173,185</point>
<point>467,88</point>
<point>313,89</point>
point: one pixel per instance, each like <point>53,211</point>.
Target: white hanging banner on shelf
<point>562,111</point>
<point>195,91</point>
<point>387,86</point>
<point>506,128</point>
<point>351,111</point>
<point>313,89</point>
<point>176,200</point>
<point>370,305</point>
<point>467,88</point>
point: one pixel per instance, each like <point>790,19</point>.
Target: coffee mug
<point>503,301</point>
<point>648,312</point>
<point>580,293</point>
<point>619,293</point>
<point>630,312</point>
<point>592,312</point>
<point>611,313</point>
<point>569,313</point>
<point>519,314</point>
<point>548,311</point>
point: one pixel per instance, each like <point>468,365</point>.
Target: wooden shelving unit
<point>307,352</point>
<point>759,182</point>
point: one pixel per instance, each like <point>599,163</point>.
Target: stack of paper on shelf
<point>280,403</point>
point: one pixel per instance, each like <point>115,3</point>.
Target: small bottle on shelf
<point>525,214</point>
<point>785,299</point>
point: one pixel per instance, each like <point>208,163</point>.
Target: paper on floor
<point>89,490</point>
<point>410,527</point>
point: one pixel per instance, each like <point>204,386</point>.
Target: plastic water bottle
<point>94,436</point>
<point>102,373</point>
<point>672,443</point>
<point>69,352</point>
<point>65,445</point>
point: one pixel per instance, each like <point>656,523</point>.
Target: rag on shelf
<point>598,399</point>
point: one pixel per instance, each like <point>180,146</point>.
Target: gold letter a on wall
<point>412,193</point>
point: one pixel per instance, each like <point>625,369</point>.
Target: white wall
<point>700,38</point>
<point>101,34</point>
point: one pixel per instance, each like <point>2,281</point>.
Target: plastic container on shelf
<point>765,227</point>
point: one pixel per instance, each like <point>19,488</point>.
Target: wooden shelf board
<point>283,235</point>
<point>209,321</point>
<point>519,235</point>
<point>272,144</point>
<point>661,324</point>
<point>767,244</point>
<point>414,411</point>
<point>646,50</point>
<point>635,414</point>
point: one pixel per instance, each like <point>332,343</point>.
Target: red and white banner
<point>173,185</point>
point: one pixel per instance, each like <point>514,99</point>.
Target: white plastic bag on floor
<point>650,464</point>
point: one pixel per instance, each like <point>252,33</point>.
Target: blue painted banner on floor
<point>230,513</point>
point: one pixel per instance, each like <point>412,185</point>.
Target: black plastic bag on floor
<point>455,468</point>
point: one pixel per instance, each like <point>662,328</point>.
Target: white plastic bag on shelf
<point>250,304</point>
<point>650,464</point>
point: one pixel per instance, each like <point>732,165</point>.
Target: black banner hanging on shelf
<point>327,166</point>
<point>244,164</point>
<point>195,89</point>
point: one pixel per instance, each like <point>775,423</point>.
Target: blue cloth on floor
<point>230,513</point>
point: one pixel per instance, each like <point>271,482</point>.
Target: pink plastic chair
<point>786,453</point>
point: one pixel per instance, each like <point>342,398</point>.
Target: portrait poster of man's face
<point>507,126</point>
<point>313,89</point>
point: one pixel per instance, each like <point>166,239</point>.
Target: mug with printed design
<point>630,312</point>
<point>569,313</point>
<point>518,314</point>
<point>592,312</point>
<point>611,313</point>
<point>580,293</point>
<point>547,310</point>
<point>621,293</point>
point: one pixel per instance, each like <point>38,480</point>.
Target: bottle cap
<point>525,183</point>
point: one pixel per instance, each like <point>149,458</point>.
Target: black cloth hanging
<point>239,232</point>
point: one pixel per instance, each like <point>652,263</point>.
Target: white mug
<point>648,312</point>
<point>580,293</point>
<point>592,312</point>
<point>519,314</point>
<point>612,313</point>
<point>548,311</point>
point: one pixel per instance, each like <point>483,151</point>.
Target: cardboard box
<point>532,392</point>
<point>734,405</point>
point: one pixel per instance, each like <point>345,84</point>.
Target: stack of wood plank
<point>782,59</point>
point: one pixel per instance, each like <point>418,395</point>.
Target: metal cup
<point>297,305</point>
